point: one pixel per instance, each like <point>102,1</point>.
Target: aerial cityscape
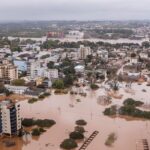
<point>74,83</point>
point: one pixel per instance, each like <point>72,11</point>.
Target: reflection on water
<point>57,107</point>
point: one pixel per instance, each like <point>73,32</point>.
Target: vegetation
<point>18,82</point>
<point>50,44</point>
<point>37,131</point>
<point>68,80</point>
<point>79,129</point>
<point>67,67</point>
<point>111,139</point>
<point>8,93</point>
<point>2,88</point>
<point>68,144</point>
<point>81,122</point>
<point>146,44</point>
<point>133,55</point>
<point>58,84</point>
<point>132,102</point>
<point>76,135</point>
<point>42,96</point>
<point>115,86</point>
<point>46,94</point>
<point>59,91</point>
<point>110,111</point>
<point>32,100</point>
<point>128,109</point>
<point>94,86</point>
<point>28,122</point>
<point>50,65</point>
<point>44,123</point>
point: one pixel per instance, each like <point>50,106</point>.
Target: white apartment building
<point>10,119</point>
<point>51,73</point>
<point>36,70</point>
<point>84,52</point>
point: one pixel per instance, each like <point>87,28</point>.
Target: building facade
<point>10,119</point>
<point>8,71</point>
<point>84,52</point>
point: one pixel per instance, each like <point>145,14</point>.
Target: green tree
<point>81,122</point>
<point>58,84</point>
<point>2,88</point>
<point>18,82</point>
<point>50,65</point>
<point>76,135</point>
<point>68,144</point>
<point>146,44</point>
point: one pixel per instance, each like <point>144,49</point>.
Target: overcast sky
<point>74,9</point>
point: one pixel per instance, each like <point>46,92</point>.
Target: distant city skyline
<point>74,10</point>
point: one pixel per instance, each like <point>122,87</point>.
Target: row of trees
<point>94,45</point>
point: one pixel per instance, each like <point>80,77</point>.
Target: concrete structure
<point>10,119</point>
<point>75,35</point>
<point>84,52</point>
<point>134,60</point>
<point>8,70</point>
<point>21,64</point>
<point>51,73</point>
<point>36,69</point>
<point>79,69</point>
<point>103,54</point>
<point>16,89</point>
<point>55,34</point>
<point>144,55</point>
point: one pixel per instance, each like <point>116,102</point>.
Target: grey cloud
<point>74,9</point>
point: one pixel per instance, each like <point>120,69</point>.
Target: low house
<point>16,89</point>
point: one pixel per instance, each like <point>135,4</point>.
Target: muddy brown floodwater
<point>65,110</point>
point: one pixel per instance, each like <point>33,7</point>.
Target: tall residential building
<point>8,71</point>
<point>10,120</point>
<point>84,52</point>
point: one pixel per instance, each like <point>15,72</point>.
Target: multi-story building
<point>51,73</point>
<point>55,34</point>
<point>84,52</point>
<point>10,119</point>
<point>8,71</point>
<point>103,54</point>
<point>75,35</point>
<point>33,69</point>
<point>36,70</point>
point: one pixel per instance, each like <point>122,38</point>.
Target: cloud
<point>74,9</point>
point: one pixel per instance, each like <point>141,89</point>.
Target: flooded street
<point>65,110</point>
